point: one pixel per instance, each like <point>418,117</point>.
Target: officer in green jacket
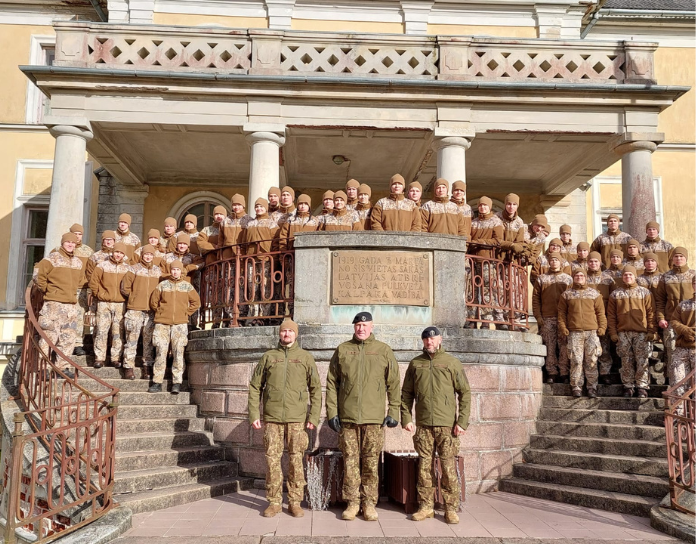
<point>362,371</point>
<point>432,380</point>
<point>284,376</point>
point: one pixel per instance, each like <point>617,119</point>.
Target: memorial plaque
<point>381,277</point>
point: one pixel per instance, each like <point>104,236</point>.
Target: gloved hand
<point>653,336</point>
<point>601,332</point>
<point>614,338</point>
<point>335,424</point>
<point>191,267</point>
<point>687,337</point>
<point>540,322</point>
<point>389,422</point>
<point>564,331</point>
<point>518,248</point>
<point>504,244</point>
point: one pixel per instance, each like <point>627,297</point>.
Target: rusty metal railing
<point>61,476</point>
<point>497,292</point>
<point>246,286</point>
<point>679,430</point>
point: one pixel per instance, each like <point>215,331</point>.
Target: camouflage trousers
<point>634,349</point>
<point>137,322</point>
<point>82,309</point>
<point>555,363</point>
<point>427,441</point>
<point>682,363</point>
<point>605,360</point>
<point>194,318</point>
<point>584,349</point>
<point>361,446</point>
<point>109,318</point>
<point>162,336</point>
<point>59,323</point>
<point>276,436</point>
<point>669,340</point>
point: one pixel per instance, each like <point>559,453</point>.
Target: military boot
<point>351,511</point>
<point>424,512</point>
<point>369,512</point>
<point>272,510</point>
<point>296,511</point>
<point>451,517</point>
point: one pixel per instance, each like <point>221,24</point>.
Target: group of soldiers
<point>616,293</point>
<point>363,374</point>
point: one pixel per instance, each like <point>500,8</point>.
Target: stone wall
<point>503,368</point>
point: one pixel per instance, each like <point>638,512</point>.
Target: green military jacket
<point>360,374</point>
<point>432,382</point>
<point>283,376</point>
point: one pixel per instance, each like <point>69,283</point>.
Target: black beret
<point>362,317</point>
<point>430,332</point>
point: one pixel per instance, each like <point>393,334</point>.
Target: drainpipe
<point>100,12</point>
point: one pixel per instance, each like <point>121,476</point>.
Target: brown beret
<point>147,249</point>
<point>364,189</point>
<point>555,255</point>
<point>540,219</point>
<point>459,185</point>
<point>183,238</point>
<point>289,324</point>
<point>262,202</point>
<point>170,221</point>
<point>579,270</point>
<point>68,237</point>
<point>108,234</point>
<point>442,181</point>
<point>353,183</point>
<point>328,194</point>
<point>652,225</point>
<point>220,209</point>
<point>565,229</point>
<point>274,191</point>
<point>415,184</point>
<point>153,233</point>
<point>681,250</point>
<point>176,264</point>
<point>629,268</point>
<point>486,200</point>
<point>556,242</point>
<point>633,242</point>
<point>615,252</point>
<point>76,228</point>
<point>304,199</point>
<point>238,199</point>
<point>613,216</point>
<point>340,194</point>
<point>125,218</point>
<point>595,255</point>
<point>649,255</point>
<point>397,178</point>
<point>288,189</point>
<point>512,197</point>
<point>192,218</point>
<point>120,246</point>
<point>583,245</point>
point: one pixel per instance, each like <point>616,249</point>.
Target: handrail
<point>62,474</point>
<point>679,432</point>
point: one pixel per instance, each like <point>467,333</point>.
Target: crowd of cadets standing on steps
<point>586,298</point>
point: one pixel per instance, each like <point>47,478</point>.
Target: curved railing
<point>679,431</point>
<point>240,285</point>
<point>61,475</point>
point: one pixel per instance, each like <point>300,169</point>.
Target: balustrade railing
<point>60,476</point>
<point>679,430</point>
<point>273,52</point>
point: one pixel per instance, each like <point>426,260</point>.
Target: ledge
<point>388,241</point>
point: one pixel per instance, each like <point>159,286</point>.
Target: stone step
<point>612,446</point>
<point>138,398</point>
<point>156,499</point>
<point>602,430</point>
<point>136,385</point>
<point>173,424</point>
<point>604,403</point>
<point>614,390</point>
<point>161,441</point>
<point>648,466</point>
<point>631,484</point>
<point>157,411</point>
<point>591,498</point>
<point>602,416</point>
<point>162,477</point>
<point>140,460</point>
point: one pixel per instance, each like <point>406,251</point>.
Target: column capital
<point>70,126</point>
<point>638,145</point>
<point>451,141</point>
<point>638,141</point>
<point>264,136</point>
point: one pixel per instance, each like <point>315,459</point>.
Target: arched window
<point>200,204</point>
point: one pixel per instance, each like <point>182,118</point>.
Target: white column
<point>264,171</point>
<point>68,181</point>
<point>451,155</point>
<point>637,193</point>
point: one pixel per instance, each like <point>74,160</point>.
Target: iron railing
<point>679,431</point>
<point>61,476</point>
<point>245,286</point>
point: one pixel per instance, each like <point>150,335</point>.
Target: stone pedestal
<point>265,143</point>
<point>68,181</point>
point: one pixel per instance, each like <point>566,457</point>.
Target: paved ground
<point>491,517</point>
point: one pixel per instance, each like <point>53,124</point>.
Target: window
<point>606,199</point>
<point>43,52</point>
<point>201,204</point>
<point>203,211</point>
<point>33,241</point>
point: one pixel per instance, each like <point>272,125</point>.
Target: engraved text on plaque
<point>381,277</point>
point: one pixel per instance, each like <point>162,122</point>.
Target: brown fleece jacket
<point>569,251</point>
<point>661,248</point>
<point>262,235</point>
<point>607,241</point>
<point>131,241</point>
<point>630,310</point>
<point>465,211</point>
<point>541,266</point>
<point>168,242</point>
<point>156,259</point>
<point>59,277</point>
<point>233,233</point>
<point>105,283</point>
<point>548,289</point>
<point>138,283</point>
<point>674,287</point>
<point>581,308</point>
<point>486,229</point>
<point>208,241</point>
<point>297,222</point>
<point>364,212</point>
<point>441,216</point>
<point>683,323</point>
<point>395,213</point>
<point>602,282</point>
<point>651,281</point>
<point>174,301</point>
<point>341,220</point>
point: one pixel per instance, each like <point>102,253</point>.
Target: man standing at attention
<point>433,379</point>
<point>284,376</point>
<point>362,371</point>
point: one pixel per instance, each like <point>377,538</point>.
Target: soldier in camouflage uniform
<point>654,244</point>
<point>364,207</point>
<point>459,198</point>
<point>612,239</point>
<point>581,319</point>
<point>352,187</point>
<point>126,237</point>
<point>153,239</point>
<point>173,301</point>
<point>603,282</point>
<point>341,218</point>
<point>683,324</point>
<point>286,377</point>
<point>167,241</point>
<point>433,380</point>
<point>58,278</point>
<point>569,250</point>
<point>631,324</point>
<point>362,371</point>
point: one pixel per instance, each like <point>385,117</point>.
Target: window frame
<point>26,241</point>
<point>36,100</point>
<point>185,203</point>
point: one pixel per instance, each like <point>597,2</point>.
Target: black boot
<point>79,350</point>
<point>176,388</point>
<point>628,392</point>
<point>155,388</point>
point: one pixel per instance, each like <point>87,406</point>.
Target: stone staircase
<point>164,455</point>
<point>608,453</point>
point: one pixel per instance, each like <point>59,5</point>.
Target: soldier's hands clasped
<point>390,422</point>
<point>335,424</point>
